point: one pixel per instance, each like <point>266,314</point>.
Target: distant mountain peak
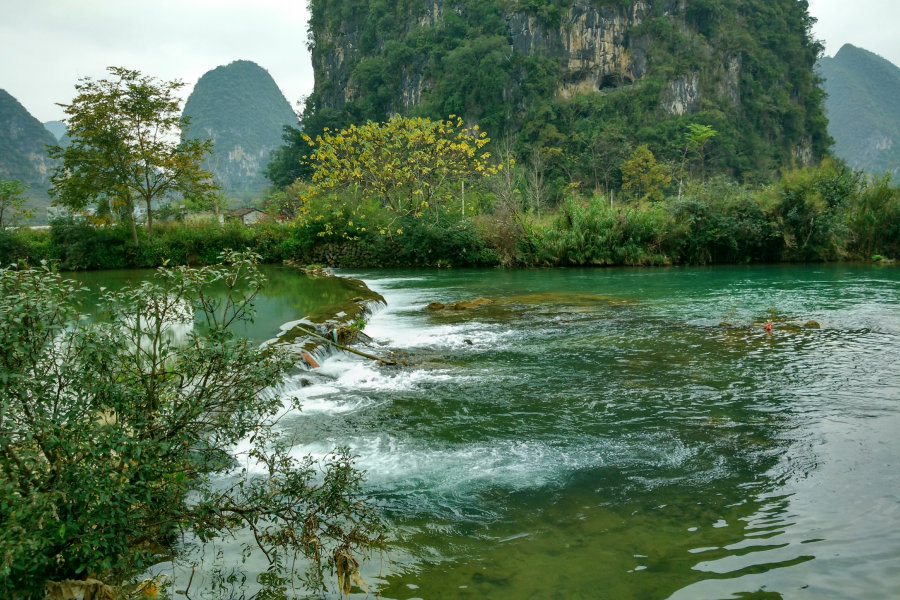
<point>240,107</point>
<point>57,128</point>
<point>863,107</point>
<point>22,144</point>
<point>23,155</point>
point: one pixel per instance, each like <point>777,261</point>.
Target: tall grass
<point>824,213</point>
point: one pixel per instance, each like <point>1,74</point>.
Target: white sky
<point>46,45</point>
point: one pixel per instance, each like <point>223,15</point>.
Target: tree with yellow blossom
<point>411,165</point>
<point>644,176</point>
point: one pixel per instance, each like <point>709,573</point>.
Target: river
<point>598,433</point>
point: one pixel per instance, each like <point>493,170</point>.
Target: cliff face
<point>494,62</point>
<point>241,109</point>
<point>590,44</point>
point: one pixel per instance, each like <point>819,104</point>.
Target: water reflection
<point>288,295</point>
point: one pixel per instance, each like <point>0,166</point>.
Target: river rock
<point>812,325</point>
<point>461,305</point>
<point>468,304</point>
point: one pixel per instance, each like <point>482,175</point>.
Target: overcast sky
<point>46,45</point>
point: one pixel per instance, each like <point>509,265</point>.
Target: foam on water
<point>452,472</point>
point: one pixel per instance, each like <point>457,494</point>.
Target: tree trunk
<point>149,223</point>
<point>131,219</point>
<point>464,199</point>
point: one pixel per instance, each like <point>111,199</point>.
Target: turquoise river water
<point>598,434</point>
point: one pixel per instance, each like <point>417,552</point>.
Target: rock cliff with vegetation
<point>863,109</point>
<point>573,75</point>
<point>22,149</point>
<point>241,109</point>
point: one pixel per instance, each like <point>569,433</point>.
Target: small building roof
<point>240,212</point>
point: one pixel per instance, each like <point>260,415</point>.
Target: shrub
<point>114,430</point>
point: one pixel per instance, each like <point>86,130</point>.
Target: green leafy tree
<point>128,145</point>
<point>12,203</point>
<point>216,203</point>
<point>695,140</point>
<point>112,431</point>
<point>644,176</point>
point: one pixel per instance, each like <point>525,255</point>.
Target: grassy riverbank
<point>823,214</point>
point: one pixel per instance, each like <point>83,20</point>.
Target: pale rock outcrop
<point>682,96</point>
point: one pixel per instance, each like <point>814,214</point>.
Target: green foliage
<point>127,147</point>
<point>721,221</point>
<point>645,177</point>
<point>821,214</point>
<point>286,164</point>
<point>12,203</point>
<point>825,213</point>
<point>113,431</point>
<point>875,219</point>
<point>754,60</point>
<point>594,233</point>
<point>76,244</point>
<point>810,207</point>
<point>863,106</point>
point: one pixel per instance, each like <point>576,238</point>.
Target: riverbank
<point>826,214</point>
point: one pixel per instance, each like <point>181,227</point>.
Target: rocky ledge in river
<point>461,305</point>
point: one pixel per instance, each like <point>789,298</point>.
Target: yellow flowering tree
<point>409,165</point>
<point>644,176</point>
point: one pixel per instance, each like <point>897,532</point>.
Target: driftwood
<point>386,361</point>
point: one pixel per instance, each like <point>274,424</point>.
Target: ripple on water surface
<point>597,434</point>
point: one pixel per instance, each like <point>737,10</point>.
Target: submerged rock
<point>461,305</point>
<point>811,325</point>
<point>467,304</point>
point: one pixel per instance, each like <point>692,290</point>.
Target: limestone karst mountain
<point>241,109</point>
<point>863,107</point>
<point>22,150</point>
<point>57,128</point>
<point>553,72</point>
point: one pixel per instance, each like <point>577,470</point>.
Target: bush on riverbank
<point>825,213</point>
<point>111,454</point>
<point>822,214</point>
<point>79,245</point>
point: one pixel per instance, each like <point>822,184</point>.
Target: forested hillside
<point>863,108</point>
<point>241,109</point>
<point>22,150</point>
<point>586,81</point>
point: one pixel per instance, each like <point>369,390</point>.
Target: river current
<point>602,434</point>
